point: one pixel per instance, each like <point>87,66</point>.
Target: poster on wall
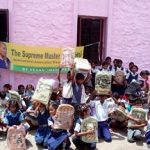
<point>32,59</point>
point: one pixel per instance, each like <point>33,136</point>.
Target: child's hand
<point>138,121</point>
<point>90,131</point>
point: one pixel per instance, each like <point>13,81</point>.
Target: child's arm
<point>84,133</point>
<point>133,119</point>
<point>137,126</point>
<point>58,76</point>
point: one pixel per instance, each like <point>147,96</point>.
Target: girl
<point>58,138</point>
<point>146,76</point>
<point>84,112</point>
<point>43,129</point>
<point>14,116</point>
<point>132,75</point>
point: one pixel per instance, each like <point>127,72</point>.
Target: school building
<point>116,28</point>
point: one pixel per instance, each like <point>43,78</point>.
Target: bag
<point>87,124</point>
<point>82,64</point>
<point>43,90</point>
<point>67,57</point>
<point>64,117</point>
<point>119,77</point>
<point>103,83</point>
<point>16,138</point>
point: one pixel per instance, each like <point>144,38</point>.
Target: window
<point>91,35</point>
<point>4,25</point>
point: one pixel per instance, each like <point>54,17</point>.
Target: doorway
<point>91,35</point>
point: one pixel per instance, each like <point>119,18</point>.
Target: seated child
<point>58,138</point>
<point>31,116</point>
<point>81,145</point>
<point>43,129</point>
<point>137,120</point>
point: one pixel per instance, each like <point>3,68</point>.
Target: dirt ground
<point>119,142</point>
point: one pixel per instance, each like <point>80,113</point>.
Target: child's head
<point>115,62</point>
<point>144,74</point>
<point>2,95</point>
<point>131,64</point>
<point>21,89</point>
<point>134,68</point>
<point>53,108</point>
<point>116,95</point>
<point>7,87</point>
<point>13,106</point>
<point>80,78</point>
<point>29,87</point>
<point>104,65</point>
<point>93,65</point>
<point>87,90</point>
<point>84,110</point>
<point>42,107</point>
<point>34,104</point>
<point>119,63</point>
<point>103,98</point>
<point>108,60</point>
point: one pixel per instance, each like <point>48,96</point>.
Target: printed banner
<point>32,59</point>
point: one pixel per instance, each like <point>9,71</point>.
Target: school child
<point>100,111</point>
<point>31,115</point>
<point>6,88</point>
<point>129,67</point>
<point>104,67</point>
<point>108,61</point>
<point>132,76</point>
<point>81,145</point>
<point>118,80</point>
<point>58,139</point>
<point>146,76</point>
<point>14,116</point>
<point>67,92</point>
<point>43,128</point>
<point>137,120</point>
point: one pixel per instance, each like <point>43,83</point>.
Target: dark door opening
<point>91,35</point>
<point>4,25</point>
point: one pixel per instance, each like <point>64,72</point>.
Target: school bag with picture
<point>67,57</point>
<point>64,117</point>
<point>89,123</point>
<point>16,138</point>
<point>103,83</point>
<point>43,90</point>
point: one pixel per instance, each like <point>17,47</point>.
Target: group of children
<point>126,107</point>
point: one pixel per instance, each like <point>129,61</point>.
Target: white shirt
<point>67,89</point>
<point>78,126</point>
<point>100,111</point>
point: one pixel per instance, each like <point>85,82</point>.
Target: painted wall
<point>54,23</point>
<point>50,23</point>
<point>130,32</point>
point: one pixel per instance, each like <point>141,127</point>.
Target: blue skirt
<point>56,138</point>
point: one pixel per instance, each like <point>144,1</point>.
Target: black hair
<point>119,61</point>
<point>131,63</point>
<point>107,58</point>
<point>79,76</point>
<point>134,66</point>
<point>14,103</point>
<point>8,86</point>
<point>54,105</point>
<point>20,86</point>
<point>104,63</point>
<point>144,72</point>
<point>2,95</point>
<point>116,95</point>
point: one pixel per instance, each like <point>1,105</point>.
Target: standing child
<point>67,87</point>
<point>84,112</point>
<point>43,128</point>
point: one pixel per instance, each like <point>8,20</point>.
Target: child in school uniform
<point>43,129</point>
<point>67,92</point>
<point>100,111</point>
<point>132,75</point>
<point>147,135</point>
<point>58,139</point>
<point>84,112</point>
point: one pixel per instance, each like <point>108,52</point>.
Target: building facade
<point>120,26</point>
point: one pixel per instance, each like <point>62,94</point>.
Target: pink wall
<point>50,23</point>
<point>130,31</point>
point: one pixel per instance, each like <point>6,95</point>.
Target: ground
<point>119,142</point>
